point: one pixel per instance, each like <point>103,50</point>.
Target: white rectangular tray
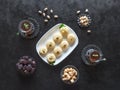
<point>49,35</point>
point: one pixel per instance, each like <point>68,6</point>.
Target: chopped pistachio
<point>51,63</point>
<point>17,33</point>
<point>26,25</point>
<point>62,25</point>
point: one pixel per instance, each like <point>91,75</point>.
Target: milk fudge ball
<point>57,38</point>
<point>51,58</point>
<point>57,51</point>
<point>71,38</point>
<point>64,31</point>
<point>64,45</point>
<point>50,44</point>
<point>43,50</point>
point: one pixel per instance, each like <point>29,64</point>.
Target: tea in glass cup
<point>93,55</point>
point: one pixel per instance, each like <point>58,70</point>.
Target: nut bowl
<point>69,74</point>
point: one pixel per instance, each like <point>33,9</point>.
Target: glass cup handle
<point>103,59</point>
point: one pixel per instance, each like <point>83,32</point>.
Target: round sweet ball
<point>50,44</point>
<point>71,38</point>
<point>57,51</point>
<point>43,50</point>
<point>57,38</point>
<point>51,58</point>
<point>64,45</point>
<point>64,31</point>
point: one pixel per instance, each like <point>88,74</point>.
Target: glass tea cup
<point>26,27</point>
<point>92,54</point>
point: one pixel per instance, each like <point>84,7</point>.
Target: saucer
<point>85,49</point>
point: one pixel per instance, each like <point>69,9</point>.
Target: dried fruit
<point>86,10</point>
<point>55,16</point>
<point>78,12</point>
<point>84,20</point>
<point>45,20</point>
<point>43,14</point>
<point>48,16</point>
<point>45,9</point>
<point>26,65</point>
<point>69,75</point>
<point>51,11</point>
<point>88,31</point>
<point>40,12</point>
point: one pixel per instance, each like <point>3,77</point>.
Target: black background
<point>105,33</point>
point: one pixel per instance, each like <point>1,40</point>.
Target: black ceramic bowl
<point>68,82</point>
<point>89,22</point>
<point>26,65</point>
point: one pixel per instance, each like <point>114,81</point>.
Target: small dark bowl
<point>78,21</point>
<point>26,63</point>
<point>62,71</point>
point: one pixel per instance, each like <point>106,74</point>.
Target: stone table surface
<point>105,34</point>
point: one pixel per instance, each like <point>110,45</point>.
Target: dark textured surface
<point>105,34</point>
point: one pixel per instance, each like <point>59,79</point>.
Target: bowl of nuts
<point>84,20</point>
<point>69,74</point>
